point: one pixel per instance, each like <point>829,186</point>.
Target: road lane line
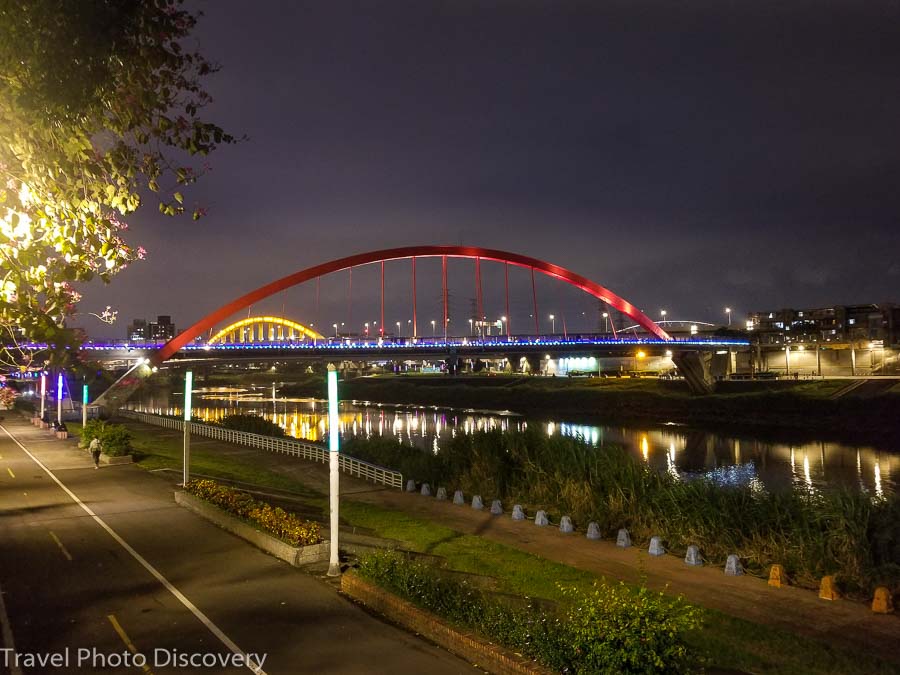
<point>6,634</point>
<point>122,634</point>
<point>60,544</point>
<point>205,620</point>
<point>11,474</point>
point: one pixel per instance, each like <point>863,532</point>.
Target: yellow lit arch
<point>285,324</point>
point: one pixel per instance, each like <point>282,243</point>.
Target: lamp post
<point>188,386</point>
<point>59,398</point>
<point>471,330</point>
<point>84,404</point>
<point>367,329</point>
<point>335,329</point>
<point>43,394</point>
<point>553,324</point>
<point>334,564</point>
<point>432,327</point>
<point>728,314</point>
<point>605,322</point>
<point>662,314</point>
<point>399,331</point>
<point>503,326</point>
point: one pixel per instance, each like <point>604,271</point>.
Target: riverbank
<point>803,409</point>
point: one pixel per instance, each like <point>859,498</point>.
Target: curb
<point>293,555</point>
<point>486,655</point>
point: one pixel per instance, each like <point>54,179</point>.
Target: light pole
<point>334,565</point>
<point>335,329</point>
<point>728,314</point>
<point>662,314</point>
<point>471,330</point>
<point>553,324</point>
<point>605,322</point>
<point>504,326</point>
<point>432,327</point>
<point>367,329</point>
<point>188,388</point>
<point>399,332</point>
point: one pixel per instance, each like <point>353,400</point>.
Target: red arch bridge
<point>301,342</point>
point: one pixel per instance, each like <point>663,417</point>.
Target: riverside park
<point>493,338</point>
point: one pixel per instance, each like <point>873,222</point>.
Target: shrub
<point>115,439</point>
<point>252,424</point>
<point>274,520</point>
<point>611,630</point>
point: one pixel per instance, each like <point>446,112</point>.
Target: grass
<point>726,642</point>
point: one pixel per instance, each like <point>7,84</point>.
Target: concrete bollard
<point>458,498</point>
<point>656,547</point>
<point>623,539</point>
<point>883,603</point>
<point>410,485</point>
<point>496,507</point>
<point>777,577</point>
<point>593,531</point>
<point>693,556</point>
<point>518,512</point>
<point>565,525</point>
<point>733,566</point>
<point>426,490</point>
<point>540,519</point>
<point>441,493</point>
<point>828,590</point>
<point>477,504</point>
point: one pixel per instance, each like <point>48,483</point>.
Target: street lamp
<point>605,322</point>
<point>432,327</point>
<point>728,314</point>
<point>662,314</point>
<point>335,329</point>
<point>504,326</point>
<point>367,329</point>
<point>399,332</point>
<point>553,324</point>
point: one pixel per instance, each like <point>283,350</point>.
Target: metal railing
<point>285,446</point>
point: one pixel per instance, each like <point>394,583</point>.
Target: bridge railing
<point>285,446</point>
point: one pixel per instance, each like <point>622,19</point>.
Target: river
<point>685,453</point>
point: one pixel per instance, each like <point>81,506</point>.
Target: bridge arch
<point>293,326</point>
<point>472,252</point>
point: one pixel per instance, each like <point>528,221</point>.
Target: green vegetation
<point>115,439</point>
<point>724,642</point>
<point>612,629</point>
<point>272,519</point>
<point>812,534</point>
<point>253,424</point>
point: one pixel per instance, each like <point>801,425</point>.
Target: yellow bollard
<point>777,577</point>
<point>882,603</point>
<point>827,589</point>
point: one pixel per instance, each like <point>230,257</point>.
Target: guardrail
<point>285,446</point>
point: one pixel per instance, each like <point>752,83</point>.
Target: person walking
<point>95,449</point>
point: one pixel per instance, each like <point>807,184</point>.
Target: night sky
<point>687,155</point>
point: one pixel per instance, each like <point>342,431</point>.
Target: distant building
<point>838,323</point>
<point>161,329</point>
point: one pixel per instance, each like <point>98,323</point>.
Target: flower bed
<point>274,520</point>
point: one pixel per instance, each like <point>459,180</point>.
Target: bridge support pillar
<point>696,369</point>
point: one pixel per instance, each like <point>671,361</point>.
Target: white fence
<point>285,446</point>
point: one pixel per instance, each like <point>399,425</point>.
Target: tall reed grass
<point>812,534</point>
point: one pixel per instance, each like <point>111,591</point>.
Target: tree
<point>99,101</point>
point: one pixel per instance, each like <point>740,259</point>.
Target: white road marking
<point>205,620</point>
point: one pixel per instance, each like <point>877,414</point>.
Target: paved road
<point>71,581</point>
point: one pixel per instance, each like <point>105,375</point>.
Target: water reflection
<point>682,453</point>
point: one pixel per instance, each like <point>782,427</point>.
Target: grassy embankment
<point>726,642</point>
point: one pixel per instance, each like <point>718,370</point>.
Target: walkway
<point>68,583</point>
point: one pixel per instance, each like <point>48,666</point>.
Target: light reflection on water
<point>681,452</point>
